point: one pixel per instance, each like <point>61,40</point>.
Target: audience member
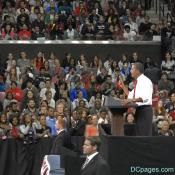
<point>51,121</point>
<point>92,128</point>
<point>165,131</point>
<point>43,130</point>
<point>130,118</point>
<point>164,83</point>
<point>4,126</point>
<point>77,125</point>
<point>15,131</point>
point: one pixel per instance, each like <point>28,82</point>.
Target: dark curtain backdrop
<point>19,159</point>
<point>126,153</point>
<point>122,153</point>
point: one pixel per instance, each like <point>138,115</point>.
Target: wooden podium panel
<point>117,125</point>
<point>117,120</point>
<point>117,109</point>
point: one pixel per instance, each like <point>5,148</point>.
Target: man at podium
<point>142,96</point>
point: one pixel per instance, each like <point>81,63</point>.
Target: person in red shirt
<point>38,62</point>
<point>92,129</point>
<point>8,33</point>
<point>24,33</point>
<point>16,91</point>
<point>118,32</point>
<point>15,132</point>
<point>80,8</point>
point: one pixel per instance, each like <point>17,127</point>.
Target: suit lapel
<point>92,161</point>
<point>61,132</point>
<point>58,137</point>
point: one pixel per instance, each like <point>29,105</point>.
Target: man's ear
<point>95,148</point>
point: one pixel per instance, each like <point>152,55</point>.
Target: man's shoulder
<point>83,89</point>
<point>145,78</point>
<point>100,159</point>
<point>60,136</point>
<point>43,89</point>
<point>64,134</point>
<point>73,90</point>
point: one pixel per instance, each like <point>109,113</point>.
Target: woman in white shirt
<point>168,64</point>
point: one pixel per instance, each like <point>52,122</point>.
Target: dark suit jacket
<point>79,129</point>
<point>96,166</point>
<point>62,144</point>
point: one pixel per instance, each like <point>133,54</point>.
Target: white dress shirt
<point>88,159</point>
<point>102,121</point>
<point>92,156</point>
<point>144,90</point>
<point>43,91</point>
<point>59,131</point>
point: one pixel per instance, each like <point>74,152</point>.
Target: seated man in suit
<point>77,125</point>
<point>94,164</point>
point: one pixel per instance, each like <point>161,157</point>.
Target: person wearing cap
<point>14,109</point>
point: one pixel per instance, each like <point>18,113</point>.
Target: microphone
<point>123,86</point>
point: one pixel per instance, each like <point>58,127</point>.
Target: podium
<point>117,109</point>
<point>51,165</point>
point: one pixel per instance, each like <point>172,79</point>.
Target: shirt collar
<point>139,77</point>
<point>91,156</point>
<point>52,119</point>
<point>29,88</point>
<point>59,131</point>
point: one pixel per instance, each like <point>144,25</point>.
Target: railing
<point>169,17</point>
<point>161,9</point>
<point>89,42</point>
<point>156,6</point>
<point>159,6</point>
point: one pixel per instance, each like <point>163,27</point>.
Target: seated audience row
<point>75,19</point>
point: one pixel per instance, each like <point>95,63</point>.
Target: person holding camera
<point>43,131</point>
<point>4,126</point>
<point>28,129</point>
<point>29,139</point>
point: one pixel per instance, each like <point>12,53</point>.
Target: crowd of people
<point>76,19</point>
<point>35,92</point>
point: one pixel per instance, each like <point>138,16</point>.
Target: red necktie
<point>135,84</point>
